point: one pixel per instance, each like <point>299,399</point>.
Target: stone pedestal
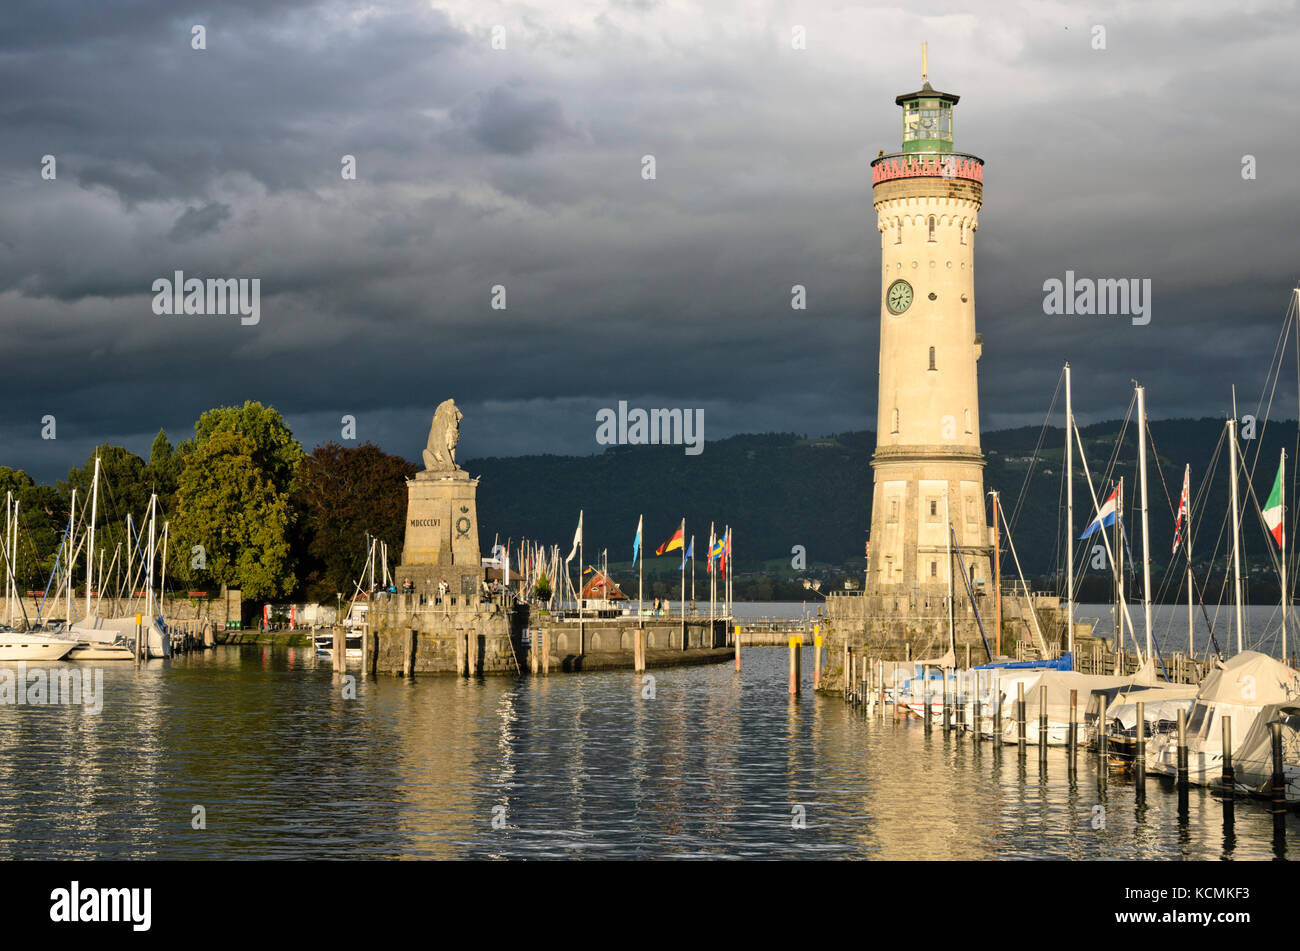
<point>442,534</point>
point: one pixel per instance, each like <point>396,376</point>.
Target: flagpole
<point>685,642</point>
<point>692,572</point>
<point>713,575</point>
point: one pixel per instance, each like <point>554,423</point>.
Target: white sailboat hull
<point>31,647</point>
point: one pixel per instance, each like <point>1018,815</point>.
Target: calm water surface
<point>718,764</point>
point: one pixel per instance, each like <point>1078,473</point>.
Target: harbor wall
<point>473,636</point>
<point>889,628</point>
<point>224,607</point>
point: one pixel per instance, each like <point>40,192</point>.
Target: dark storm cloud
<point>199,221</point>
<point>522,167</point>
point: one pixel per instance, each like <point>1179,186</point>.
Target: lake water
<point>717,764</point>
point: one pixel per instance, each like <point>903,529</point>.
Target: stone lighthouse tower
<point>928,466</point>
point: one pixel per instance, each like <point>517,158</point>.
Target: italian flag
<point>1273,509</point>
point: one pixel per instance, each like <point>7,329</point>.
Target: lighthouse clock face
<point>899,297</point>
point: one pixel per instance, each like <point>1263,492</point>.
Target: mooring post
<point>947,702</point>
<point>977,704</point>
<point>139,637</point>
<point>462,661</point>
<point>1020,717</point>
<point>1182,751</point>
<point>408,653</point>
<point>638,652</point>
<point>1140,752</point>
<point>533,658</point>
<point>925,699</point>
<point>794,666</point>
<point>846,673</point>
<point>880,685</point>
<point>817,662</point>
<point>1074,726</point>
<point>735,636</point>
<point>1042,723</point>
<point>1279,781</point>
<point>546,652</point>
<point>1228,779</point>
<point>997,707</point>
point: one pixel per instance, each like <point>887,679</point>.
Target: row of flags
<point>719,545</point>
<point>719,550</point>
<point>1272,509</point>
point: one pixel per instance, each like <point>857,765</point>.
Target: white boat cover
<point>1251,679</point>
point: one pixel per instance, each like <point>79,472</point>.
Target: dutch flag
<point>1105,518</point>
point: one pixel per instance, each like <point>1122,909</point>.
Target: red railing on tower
<point>927,165</point>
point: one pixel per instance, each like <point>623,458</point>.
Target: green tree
<point>230,512</point>
<point>339,496</point>
<point>164,466</point>
<point>274,450</point>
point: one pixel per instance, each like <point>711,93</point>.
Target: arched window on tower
<point>895,429</point>
<point>932,358</point>
<point>963,232</point>
<point>898,232</point>
<point>968,422</point>
<point>932,227</point>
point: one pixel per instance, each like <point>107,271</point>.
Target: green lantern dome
<point>927,116</point>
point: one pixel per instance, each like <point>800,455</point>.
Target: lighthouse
<point>928,467</point>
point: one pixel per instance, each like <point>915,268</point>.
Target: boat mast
<point>952,626</point>
<point>90,548</point>
<point>1121,609</point>
<point>153,499</point>
<point>72,533</point>
<point>1069,514</point>
<point>1187,527</point>
<point>1236,524</point>
<point>9,578</point>
<point>997,578</point>
<point>1146,529</point>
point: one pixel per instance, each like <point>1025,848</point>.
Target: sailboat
<point>28,645</point>
<point>1252,689</point>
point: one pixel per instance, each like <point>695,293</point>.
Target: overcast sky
<point>522,167</point>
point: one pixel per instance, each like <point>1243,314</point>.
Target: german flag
<point>674,542</point>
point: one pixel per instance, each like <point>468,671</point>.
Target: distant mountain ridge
<point>779,490</point>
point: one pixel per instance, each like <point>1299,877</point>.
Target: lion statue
<point>440,452</point>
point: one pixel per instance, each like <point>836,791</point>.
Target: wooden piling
<point>1101,734</point>
<point>339,656</point>
<point>139,639</point>
<point>1182,751</point>
<point>638,651</point>
<point>546,652</point>
<point>1140,752</point>
<point>947,705</point>
<point>462,655</point>
<point>735,634</point>
<point>1073,738</point>
<point>817,662</point>
<point>1228,778</point>
<point>975,708</point>
<point>408,653</point>
<point>1020,717</point>
<point>794,666</point>
<point>1042,723</point>
<point>880,686</point>
<point>925,699</point>
<point>1279,781</point>
<point>367,651</point>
